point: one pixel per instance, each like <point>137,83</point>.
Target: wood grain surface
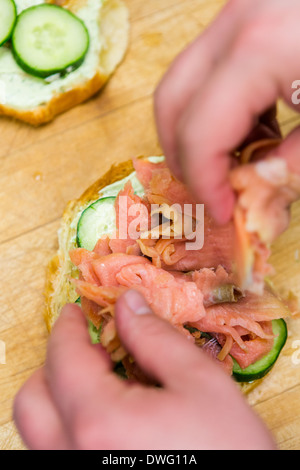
<point>42,169</point>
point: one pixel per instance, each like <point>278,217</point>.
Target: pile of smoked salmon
<point>218,289</point>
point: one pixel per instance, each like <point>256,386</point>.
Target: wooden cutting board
<point>42,169</point>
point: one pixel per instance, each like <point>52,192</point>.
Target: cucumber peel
<point>49,40</point>
<point>8,17</point>
<point>260,368</point>
<point>97,220</point>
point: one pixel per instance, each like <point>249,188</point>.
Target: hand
<point>76,401</point>
<point>216,90</point>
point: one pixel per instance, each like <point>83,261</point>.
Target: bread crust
<point>114,24</point>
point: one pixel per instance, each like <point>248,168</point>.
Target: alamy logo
<point>2,352</point>
<point>296,94</point>
<point>166,222</point>
<point>2,92</point>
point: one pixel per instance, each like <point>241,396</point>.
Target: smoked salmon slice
<point>107,267</point>
<point>175,301</point>
<point>145,170</point>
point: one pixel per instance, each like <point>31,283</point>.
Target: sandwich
<point>55,55</point>
<point>138,227</point>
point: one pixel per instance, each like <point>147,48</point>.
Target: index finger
<point>189,72</point>
<point>216,122</point>
<point>78,373</point>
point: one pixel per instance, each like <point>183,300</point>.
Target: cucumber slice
<point>94,333</point>
<point>263,366</point>
<point>48,40</point>
<point>97,220</point>
<point>8,17</point>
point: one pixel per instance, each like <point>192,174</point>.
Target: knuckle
<point>253,37</point>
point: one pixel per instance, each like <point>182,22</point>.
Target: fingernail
<point>136,303</point>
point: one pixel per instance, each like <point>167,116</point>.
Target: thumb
<point>162,352</point>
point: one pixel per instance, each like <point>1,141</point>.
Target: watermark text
<point>178,222</point>
<point>296,93</point>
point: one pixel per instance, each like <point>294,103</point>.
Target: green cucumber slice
<point>48,40</point>
<point>263,366</point>
<point>8,17</point>
<point>94,333</point>
<point>97,220</point>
